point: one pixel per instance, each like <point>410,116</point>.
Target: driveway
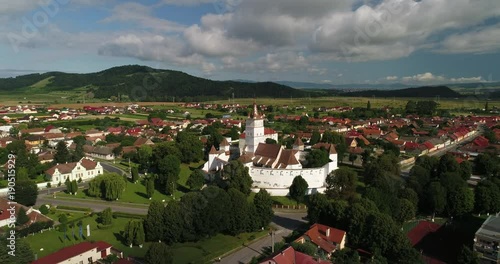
<point>285,222</point>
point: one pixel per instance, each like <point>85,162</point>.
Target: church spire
<point>255,111</point>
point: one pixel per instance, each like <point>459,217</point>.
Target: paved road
<point>95,206</point>
<point>438,153</point>
<point>109,167</point>
<point>285,223</point>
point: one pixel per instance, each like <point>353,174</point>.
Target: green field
<point>193,252</point>
<point>136,192</point>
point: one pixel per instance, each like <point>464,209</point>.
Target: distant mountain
<point>425,91</point>
<point>306,85</point>
<point>148,84</point>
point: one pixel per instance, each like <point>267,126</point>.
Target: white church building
<point>271,166</point>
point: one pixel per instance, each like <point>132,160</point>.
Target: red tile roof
<point>290,256</point>
<point>318,235</point>
<point>68,167</point>
<point>421,230</point>
<point>71,251</point>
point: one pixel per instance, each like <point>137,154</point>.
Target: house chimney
<point>328,232</point>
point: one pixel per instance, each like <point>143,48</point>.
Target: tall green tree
<point>154,226</point>
<point>315,137</point>
<point>298,189</point>
<point>341,183</point>
<point>158,253</point>
<point>264,205</point>
<point>317,158</point>
<point>173,223</point>
<point>168,169</point>
<point>405,211</point>
<point>235,175</point>
<point>23,253</point>
<point>196,180</point>
<point>191,148</point>
<point>26,192</point>
<point>460,201</point>
<point>368,106</point>
<point>144,155</point>
<point>128,233</point>
<point>150,187</point>
<point>62,153</point>
<point>21,217</point>
<point>139,236</point>
<point>436,197</point>
<point>315,207</point>
<point>135,174</point>
<point>107,216</point>
<point>239,218</point>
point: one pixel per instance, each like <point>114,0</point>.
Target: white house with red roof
<point>84,169</point>
<point>85,252</point>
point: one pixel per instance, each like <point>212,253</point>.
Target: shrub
<point>74,208</point>
<point>44,209</point>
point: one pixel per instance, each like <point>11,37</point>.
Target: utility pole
<point>272,239</point>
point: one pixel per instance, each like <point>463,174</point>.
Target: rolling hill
<point>148,84</point>
<point>425,91</point>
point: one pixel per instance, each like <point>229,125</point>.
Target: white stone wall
<point>268,178</point>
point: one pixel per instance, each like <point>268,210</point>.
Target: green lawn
<point>186,170</point>
<point>136,192</point>
<point>193,252</point>
<point>53,240</point>
<point>285,200</point>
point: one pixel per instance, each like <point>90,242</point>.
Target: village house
<point>100,152</point>
<point>326,238</point>
<point>33,214</point>
<point>292,256</point>
<point>84,252</point>
<point>84,169</point>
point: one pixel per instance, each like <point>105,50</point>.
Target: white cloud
<point>431,78</point>
<point>424,77</point>
<point>484,40</point>
<point>141,15</point>
<point>467,79</point>
<point>391,78</point>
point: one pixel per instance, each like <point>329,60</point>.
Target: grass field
<point>194,252</point>
<point>136,192</point>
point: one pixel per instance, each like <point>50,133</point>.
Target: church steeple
<point>255,113</point>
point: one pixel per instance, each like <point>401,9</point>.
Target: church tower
<point>254,130</point>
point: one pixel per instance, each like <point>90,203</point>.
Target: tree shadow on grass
<point>143,195</point>
<point>120,238</point>
<point>182,188</point>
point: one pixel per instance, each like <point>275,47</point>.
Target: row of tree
<point>134,233</point>
<point>441,186</point>
<point>206,213</point>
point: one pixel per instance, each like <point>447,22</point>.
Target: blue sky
<point>323,41</point>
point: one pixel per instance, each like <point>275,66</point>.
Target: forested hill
<point>425,91</point>
<point>148,84</point>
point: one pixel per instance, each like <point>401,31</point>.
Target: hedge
<point>74,208</point>
<point>35,227</point>
<point>128,215</point>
